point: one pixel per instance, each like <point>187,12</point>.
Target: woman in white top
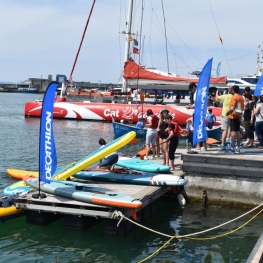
<point>258,111</point>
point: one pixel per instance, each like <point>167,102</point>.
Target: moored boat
<point>120,129</point>
<point>105,111</point>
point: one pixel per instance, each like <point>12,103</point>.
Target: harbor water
<point>22,242</point>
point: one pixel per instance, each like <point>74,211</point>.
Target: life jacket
<point>176,130</point>
<point>155,121</point>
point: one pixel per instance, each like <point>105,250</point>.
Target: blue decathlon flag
<point>218,69</point>
<point>47,149</point>
<point>200,132</point>
<point>259,87</point>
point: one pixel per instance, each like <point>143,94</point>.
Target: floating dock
<point>80,216</point>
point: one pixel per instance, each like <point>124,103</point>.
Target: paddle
<point>211,141</point>
<point>142,100</point>
<point>145,151</point>
<point>134,140</point>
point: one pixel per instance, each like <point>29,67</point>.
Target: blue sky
<point>41,38</point>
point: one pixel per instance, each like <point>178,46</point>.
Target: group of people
<point>162,132</point>
<point>162,135</point>
<point>237,111</point>
<point>240,111</point>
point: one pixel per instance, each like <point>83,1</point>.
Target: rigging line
<point>120,45</point>
<point>184,43</point>
<point>150,40</point>
<point>83,35</point>
<point>165,34</point>
<point>220,37</point>
<point>175,52</point>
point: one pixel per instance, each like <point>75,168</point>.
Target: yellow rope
<point>207,238</point>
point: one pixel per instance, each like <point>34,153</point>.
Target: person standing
<point>249,119</point>
<point>225,121</point>
<point>192,88</point>
<point>174,132</point>
<point>235,113</point>
<point>258,111</point>
<point>211,118</point>
<point>162,129</point>
<point>151,134</point>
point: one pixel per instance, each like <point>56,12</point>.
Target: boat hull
<point>105,111</point>
<point>121,129</point>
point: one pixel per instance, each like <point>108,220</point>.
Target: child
<point>210,118</point>
<point>140,124</point>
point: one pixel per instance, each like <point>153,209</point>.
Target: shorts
<point>225,123</point>
<point>235,125</point>
<point>110,160</point>
<point>151,136</point>
<point>210,125</point>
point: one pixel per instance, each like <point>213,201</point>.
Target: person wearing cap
<point>162,130</point>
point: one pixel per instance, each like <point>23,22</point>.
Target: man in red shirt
<point>235,113</point>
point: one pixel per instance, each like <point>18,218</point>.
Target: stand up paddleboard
<point>17,188</point>
<point>19,174</point>
<point>124,176</point>
<point>8,210</point>
<point>85,193</point>
<point>142,165</point>
<point>96,156</point>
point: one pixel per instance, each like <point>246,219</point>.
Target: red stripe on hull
<point>103,111</point>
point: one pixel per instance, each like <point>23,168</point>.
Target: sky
<point>41,37</point>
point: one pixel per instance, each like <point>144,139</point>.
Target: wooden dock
<point>80,216</point>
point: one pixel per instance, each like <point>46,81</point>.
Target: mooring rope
<point>118,214</point>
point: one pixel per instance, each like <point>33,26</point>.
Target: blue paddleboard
<point>133,178</point>
<point>142,165</point>
<point>85,193</point>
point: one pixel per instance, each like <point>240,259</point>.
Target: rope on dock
<point>118,214</point>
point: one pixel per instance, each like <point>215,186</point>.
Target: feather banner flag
<point>47,149</point>
<point>259,87</point>
<point>200,132</point>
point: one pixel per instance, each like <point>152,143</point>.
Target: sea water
<point>22,242</point>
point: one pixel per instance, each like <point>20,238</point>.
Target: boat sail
<point>138,77</point>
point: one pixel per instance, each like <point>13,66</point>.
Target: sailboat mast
<point>128,34</point>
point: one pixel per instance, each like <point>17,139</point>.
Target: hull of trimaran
<point>105,111</point>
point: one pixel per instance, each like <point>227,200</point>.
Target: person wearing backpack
<point>151,134</point>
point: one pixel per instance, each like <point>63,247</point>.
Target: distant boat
<point>121,129</point>
<point>26,90</point>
